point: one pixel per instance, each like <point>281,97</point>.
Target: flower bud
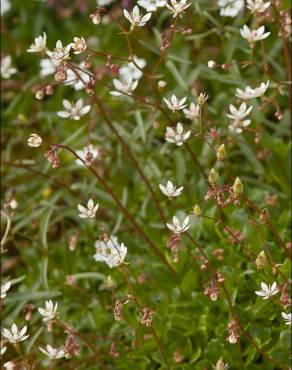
<point>237,187</point>
<point>13,203</point>
<point>202,98</point>
<point>212,64</point>
<point>221,153</point>
<point>264,216</point>
<point>49,90</point>
<point>39,95</point>
<point>213,296</point>
<point>261,260</point>
<point>197,210</point>
<point>95,17</point>
<point>161,84</point>
<point>232,339</point>
<point>213,176</point>
<point>220,365</point>
<point>34,141</point>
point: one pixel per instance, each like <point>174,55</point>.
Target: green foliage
<point>192,329</point>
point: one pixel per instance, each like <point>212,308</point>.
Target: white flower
<point>34,141</point>
<point>130,69</point>
<point>175,104</point>
<point>177,7</point>
<point>83,153</point>
<point>103,2</point>
<point>267,290</point>
<point>60,53</point>
<point>287,317</point>
<point>15,335</point>
<point>3,350</point>
<point>193,112</point>
<point>39,44</point>
<point>250,93</point>
<point>13,204</point>
<point>4,289</point>
<point>48,67</point>
<point>6,70</point>
<point>79,45</point>
<point>232,339</point>
<point>230,8</point>
<point>5,6</point>
<point>88,212</point>
<point>74,110</point>
<point>79,80</point>
<point>254,35</point>
<point>170,190</point>
<point>238,115</point>
<point>110,251</point>
<point>135,18</point>
<point>9,365</point>
<point>124,86</point>
<point>177,135</point>
<point>211,64</point>
<point>53,353</point>
<point>257,6</point>
<point>151,5</point>
<point>50,311</point>
<point>179,227</point>
<point>237,126</point>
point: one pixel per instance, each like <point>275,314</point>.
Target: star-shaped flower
<point>175,104</point>
<point>15,335</point>
<point>50,311</point>
<point>39,44</point>
<point>177,136</point>
<point>74,110</point>
<point>254,35</point>
<point>170,190</point>
<point>135,18</point>
<point>267,290</point>
<point>88,212</point>
<point>179,227</point>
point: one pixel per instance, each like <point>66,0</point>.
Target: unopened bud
<point>161,84</point>
<point>34,141</point>
<point>202,98</point>
<point>261,260</point>
<point>197,210</point>
<point>213,176</point>
<point>39,95</point>
<point>49,90</point>
<point>264,216</point>
<point>213,297</point>
<point>212,64</point>
<point>237,187</point>
<point>95,17</point>
<point>220,365</point>
<point>257,138</point>
<point>61,75</point>
<point>221,153</point>
<point>232,339</point>
<point>87,64</point>
<point>13,203</point>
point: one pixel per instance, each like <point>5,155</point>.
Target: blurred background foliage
<point>37,254</point>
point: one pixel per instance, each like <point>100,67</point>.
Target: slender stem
<point>139,307</point>
<point>195,159</point>
<point>128,215</point>
<point>8,225</point>
<point>131,156</point>
<point>230,306</point>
